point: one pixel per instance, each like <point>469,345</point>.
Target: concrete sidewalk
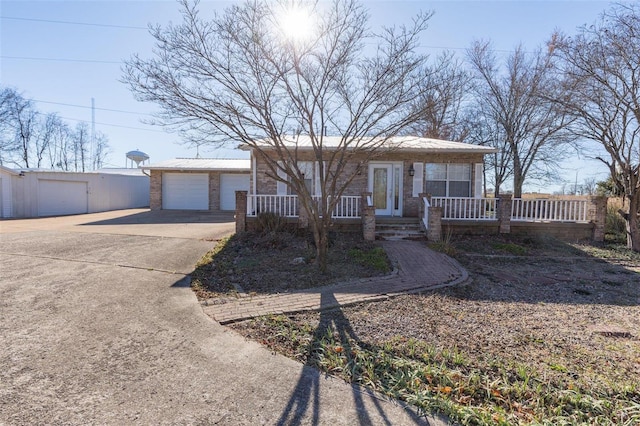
<point>418,268</point>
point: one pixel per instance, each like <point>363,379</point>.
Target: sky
<point>63,54</point>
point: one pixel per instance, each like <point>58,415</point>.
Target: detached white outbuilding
<point>38,192</point>
<point>6,192</point>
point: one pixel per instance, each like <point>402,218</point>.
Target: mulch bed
<point>276,262</point>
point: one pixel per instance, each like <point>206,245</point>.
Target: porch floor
<point>418,268</point>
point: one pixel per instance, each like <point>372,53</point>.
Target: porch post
<point>504,213</point>
<point>241,211</point>
<point>597,214</point>
<point>368,218</point>
<point>434,231</point>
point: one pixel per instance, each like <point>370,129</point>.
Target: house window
<point>448,180</point>
<point>306,168</point>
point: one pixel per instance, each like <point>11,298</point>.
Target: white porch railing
<point>477,209</point>
<point>549,210</point>
<point>425,214</point>
<point>460,208</point>
<point>282,205</point>
<point>287,205</point>
<point>348,207</point>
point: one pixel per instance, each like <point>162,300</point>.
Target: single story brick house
<point>409,186</point>
<point>401,170</point>
<point>197,183</point>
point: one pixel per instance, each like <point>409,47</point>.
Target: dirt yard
<point>564,316</point>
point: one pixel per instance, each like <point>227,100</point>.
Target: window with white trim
<point>311,175</point>
<point>306,168</point>
<point>448,180</point>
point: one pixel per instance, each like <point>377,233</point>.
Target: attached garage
<point>229,184</point>
<point>197,183</point>
<point>59,197</point>
<point>185,191</point>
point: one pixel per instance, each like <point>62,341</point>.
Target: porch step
<point>398,228</point>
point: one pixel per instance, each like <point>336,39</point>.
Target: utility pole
<point>93,133</point>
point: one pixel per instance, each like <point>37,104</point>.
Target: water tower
<point>138,157</point>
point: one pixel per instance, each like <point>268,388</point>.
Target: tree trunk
<point>518,181</point>
<point>518,178</point>
<point>633,224</point>
<point>321,239</point>
<point>322,250</point>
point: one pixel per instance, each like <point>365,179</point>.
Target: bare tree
<point>81,140</point>
<point>7,135</point>
<point>448,87</point>
<point>589,186</point>
<point>238,78</point>
<point>602,65</point>
<point>100,151</point>
<point>19,128</point>
<point>29,138</point>
<point>45,133</point>
<point>482,130</point>
<point>59,143</point>
<point>516,99</point>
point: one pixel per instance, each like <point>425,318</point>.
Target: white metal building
<point>38,192</point>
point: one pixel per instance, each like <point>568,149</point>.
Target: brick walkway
<point>418,268</point>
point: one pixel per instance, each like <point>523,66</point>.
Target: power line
<point>88,107</point>
<point>61,60</point>
<point>117,125</point>
<point>91,24</point>
<point>107,124</point>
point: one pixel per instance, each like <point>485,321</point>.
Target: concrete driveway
<point>98,326</point>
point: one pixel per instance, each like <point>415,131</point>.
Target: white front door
<point>385,184</point>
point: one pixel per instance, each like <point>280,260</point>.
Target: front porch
<point>565,218</point>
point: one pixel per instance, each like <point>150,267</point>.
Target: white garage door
<point>229,184</point>
<point>185,191</point>
<point>58,197</point>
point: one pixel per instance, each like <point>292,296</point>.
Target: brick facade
<point>266,184</point>
<point>155,190</point>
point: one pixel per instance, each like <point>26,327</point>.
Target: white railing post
<point>425,215</point>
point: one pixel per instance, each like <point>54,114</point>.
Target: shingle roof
<point>401,143</point>
<point>203,164</point>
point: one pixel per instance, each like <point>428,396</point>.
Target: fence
<point>348,206</point>
<point>549,210</point>
<point>466,208</point>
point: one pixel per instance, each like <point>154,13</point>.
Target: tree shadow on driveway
<point>168,217</point>
<point>306,395</point>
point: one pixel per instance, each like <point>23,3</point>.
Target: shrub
<point>615,223</point>
<point>268,222</point>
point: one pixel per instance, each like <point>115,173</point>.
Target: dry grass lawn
<point>546,333</point>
